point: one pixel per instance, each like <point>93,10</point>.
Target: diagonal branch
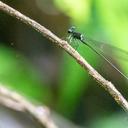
<point>107,85</point>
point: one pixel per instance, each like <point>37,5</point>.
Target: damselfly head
<point>71,29</point>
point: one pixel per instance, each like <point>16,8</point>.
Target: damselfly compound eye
<point>71,30</point>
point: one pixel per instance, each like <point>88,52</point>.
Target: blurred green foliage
<point>18,74</point>
<point>114,17</point>
<point>114,121</point>
<point>79,11</point>
<point>100,19</point>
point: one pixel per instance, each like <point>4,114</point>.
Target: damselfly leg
<point>71,38</point>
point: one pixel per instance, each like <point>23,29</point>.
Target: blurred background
<point>42,72</point>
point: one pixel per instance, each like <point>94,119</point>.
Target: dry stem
<point>16,102</point>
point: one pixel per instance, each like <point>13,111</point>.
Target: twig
<point>16,102</point>
<point>107,85</point>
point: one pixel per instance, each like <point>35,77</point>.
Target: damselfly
<point>98,48</point>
